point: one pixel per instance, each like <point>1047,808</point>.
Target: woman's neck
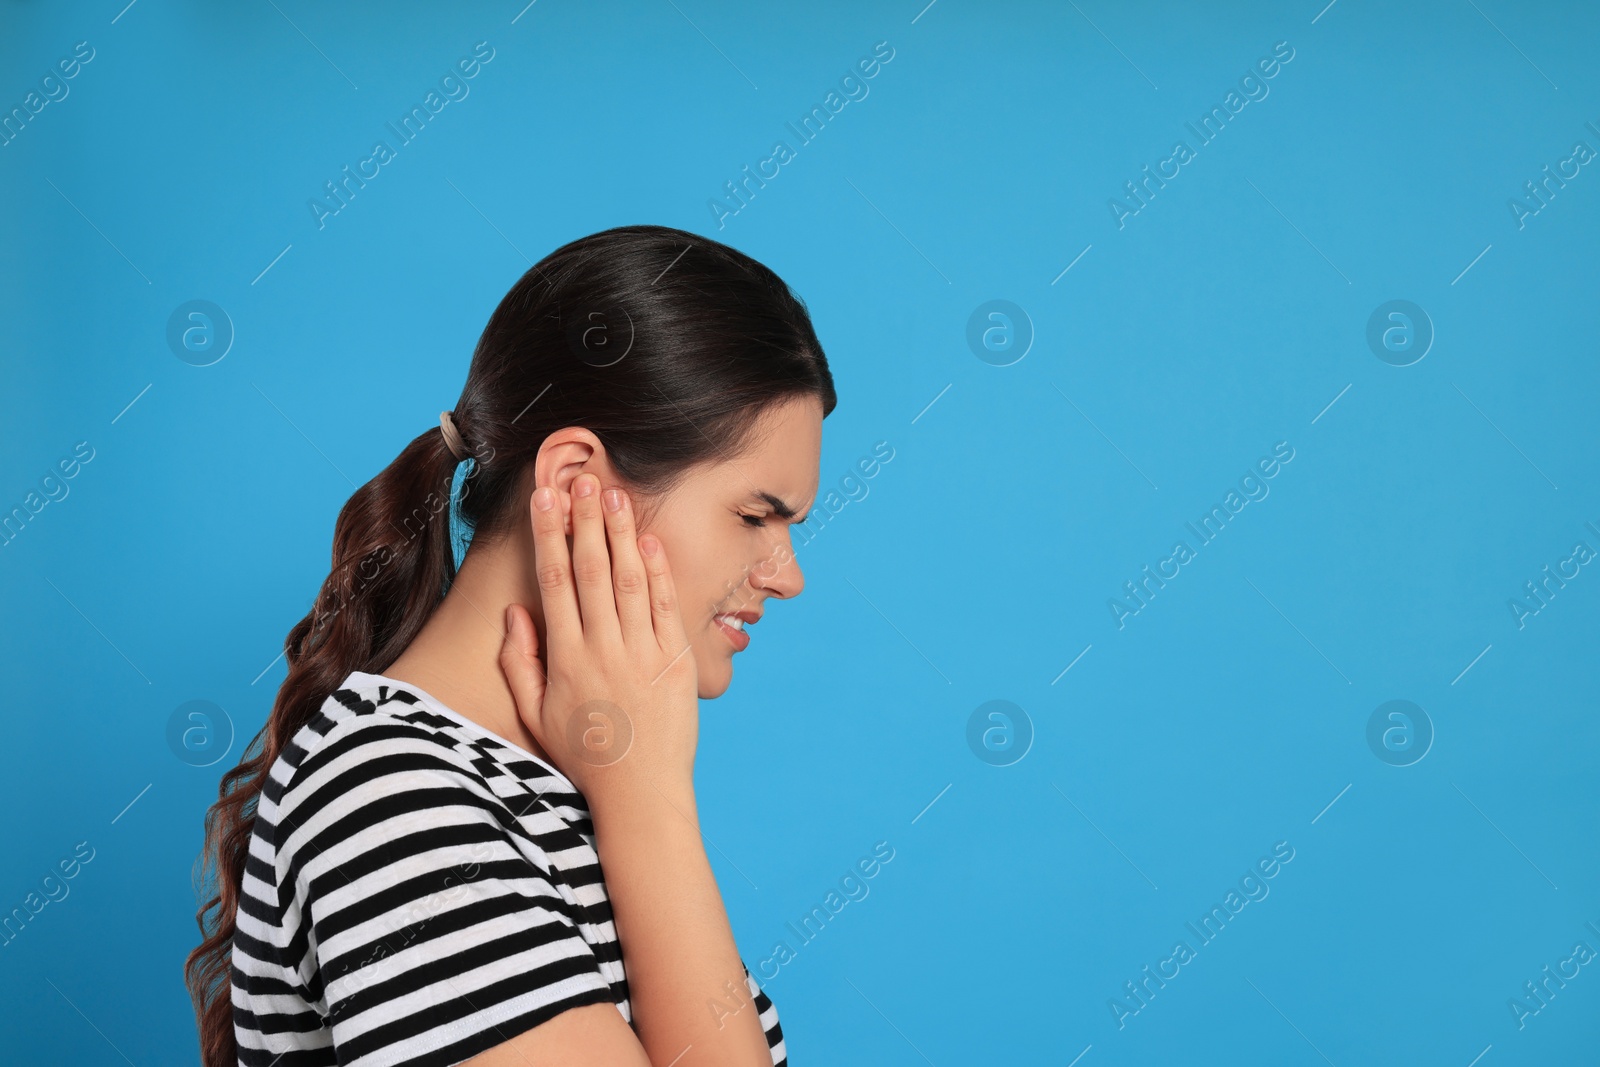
<point>456,656</point>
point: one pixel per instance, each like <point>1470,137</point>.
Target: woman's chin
<point>712,690</point>
<point>715,678</point>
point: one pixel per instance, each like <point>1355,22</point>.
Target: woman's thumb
<point>519,652</point>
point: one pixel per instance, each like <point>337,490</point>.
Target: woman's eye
<point>753,520</point>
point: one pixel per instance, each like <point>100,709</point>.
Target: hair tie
<point>452,438</point>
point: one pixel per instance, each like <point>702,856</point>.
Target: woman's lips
<point>738,639</point>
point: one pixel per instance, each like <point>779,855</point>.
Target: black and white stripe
<point>417,891</point>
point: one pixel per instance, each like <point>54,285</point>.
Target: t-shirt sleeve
<point>425,926</point>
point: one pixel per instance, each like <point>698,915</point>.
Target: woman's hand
<point>617,707</point>
<point>618,712</point>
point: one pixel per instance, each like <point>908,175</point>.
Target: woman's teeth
<point>731,620</point>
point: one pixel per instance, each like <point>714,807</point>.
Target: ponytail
<point>392,562</point>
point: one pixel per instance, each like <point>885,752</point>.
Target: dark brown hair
<point>668,346</point>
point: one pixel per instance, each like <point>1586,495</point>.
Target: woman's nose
<point>779,574</point>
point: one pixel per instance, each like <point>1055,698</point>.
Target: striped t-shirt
<point>418,890</point>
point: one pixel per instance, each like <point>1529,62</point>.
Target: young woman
<point>467,832</point>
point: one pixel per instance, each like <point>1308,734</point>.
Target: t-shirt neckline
<point>439,707</point>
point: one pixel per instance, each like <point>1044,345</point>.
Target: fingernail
<point>582,486</point>
<point>544,498</point>
<point>648,544</point>
<point>613,499</point>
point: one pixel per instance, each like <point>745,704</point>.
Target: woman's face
<point>726,535</point>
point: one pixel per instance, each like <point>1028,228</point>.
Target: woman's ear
<point>564,455</point>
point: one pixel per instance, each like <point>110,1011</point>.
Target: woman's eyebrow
<point>778,506</point>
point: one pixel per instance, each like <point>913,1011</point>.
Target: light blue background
<point>1226,316</point>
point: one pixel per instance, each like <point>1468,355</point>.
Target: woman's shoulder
<point>369,739</point>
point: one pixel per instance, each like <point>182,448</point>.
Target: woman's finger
<point>628,580</point>
<point>591,563</point>
<point>664,615</point>
<point>563,627</point>
<point>519,661</point>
